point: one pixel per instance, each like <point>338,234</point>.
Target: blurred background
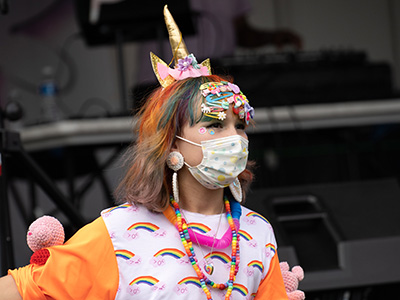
<point>324,79</point>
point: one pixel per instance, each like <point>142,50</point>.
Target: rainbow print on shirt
<point>144,225</point>
<point>257,215</point>
<point>149,280</point>
<point>199,227</point>
<point>240,288</point>
<point>271,248</point>
<point>123,206</point>
<point>245,235</point>
<point>125,254</point>
<point>223,257</point>
<point>257,265</point>
<point>172,252</point>
<point>190,280</point>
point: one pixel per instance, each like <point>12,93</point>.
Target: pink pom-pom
<point>45,232</point>
<point>296,295</point>
<point>291,280</point>
<point>284,266</point>
<point>298,271</point>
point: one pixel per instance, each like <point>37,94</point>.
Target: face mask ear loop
<point>187,141</point>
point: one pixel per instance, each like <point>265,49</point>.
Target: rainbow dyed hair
<point>166,111</point>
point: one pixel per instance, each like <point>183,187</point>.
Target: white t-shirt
<point>153,263</point>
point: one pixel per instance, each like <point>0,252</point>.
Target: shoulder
<point>126,213</point>
<point>254,225</point>
<point>82,268</point>
<point>127,220</point>
<point>252,217</point>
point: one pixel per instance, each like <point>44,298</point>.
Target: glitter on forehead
<point>219,95</point>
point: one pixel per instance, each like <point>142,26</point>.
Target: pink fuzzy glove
<point>291,280</point>
<point>45,232</point>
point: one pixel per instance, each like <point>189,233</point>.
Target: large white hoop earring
<point>175,162</point>
<point>236,190</point>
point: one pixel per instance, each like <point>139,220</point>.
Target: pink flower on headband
<point>186,68</point>
<point>184,63</point>
<point>191,72</point>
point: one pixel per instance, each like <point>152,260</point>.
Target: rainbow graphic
<point>245,235</point>
<point>144,225</point>
<point>117,207</point>
<point>175,253</point>
<point>253,295</point>
<point>199,227</point>
<point>219,255</point>
<point>149,280</point>
<point>125,254</point>
<point>256,264</point>
<point>270,247</point>
<point>190,280</point>
<point>254,214</point>
<point>240,288</point>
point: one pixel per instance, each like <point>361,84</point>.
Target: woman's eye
<point>241,126</point>
<point>215,125</point>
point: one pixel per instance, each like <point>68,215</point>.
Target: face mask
<point>223,160</point>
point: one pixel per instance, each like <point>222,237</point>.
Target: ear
<point>175,146</point>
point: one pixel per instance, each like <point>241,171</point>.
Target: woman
<point>181,232</point>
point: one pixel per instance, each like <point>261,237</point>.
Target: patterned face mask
<point>223,160</point>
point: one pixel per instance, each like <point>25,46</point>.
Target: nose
<point>232,130</point>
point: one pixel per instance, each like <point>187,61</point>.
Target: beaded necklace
<point>209,266</point>
<point>187,243</point>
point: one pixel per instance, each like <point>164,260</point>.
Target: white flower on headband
<point>221,116</point>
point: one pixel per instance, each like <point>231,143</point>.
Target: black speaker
<point>134,20</point>
<point>342,234</point>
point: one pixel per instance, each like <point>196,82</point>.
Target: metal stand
<point>119,41</point>
<point>10,145</point>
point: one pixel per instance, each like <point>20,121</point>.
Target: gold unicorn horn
<point>179,51</point>
<point>178,46</point>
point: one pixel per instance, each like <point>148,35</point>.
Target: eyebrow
<point>205,118</point>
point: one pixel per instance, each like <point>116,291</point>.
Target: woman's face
<point>207,129</point>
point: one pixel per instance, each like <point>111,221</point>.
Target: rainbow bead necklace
<point>187,243</point>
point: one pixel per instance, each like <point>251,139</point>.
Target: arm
<point>8,289</point>
<point>72,270</point>
<point>272,286</point>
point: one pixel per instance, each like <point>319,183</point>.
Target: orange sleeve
<point>85,267</point>
<point>272,286</point>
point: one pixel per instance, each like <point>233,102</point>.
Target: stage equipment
<point>113,22</point>
<point>292,78</point>
<point>4,6</point>
<point>10,146</point>
<point>102,20</point>
<point>343,235</point>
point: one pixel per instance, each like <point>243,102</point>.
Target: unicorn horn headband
<point>186,65</point>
